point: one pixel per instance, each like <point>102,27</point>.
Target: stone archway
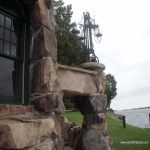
<point>87,84</point>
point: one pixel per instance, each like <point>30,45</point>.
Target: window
<point>13,52</point>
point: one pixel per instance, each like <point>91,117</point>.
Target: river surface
<point>139,117</point>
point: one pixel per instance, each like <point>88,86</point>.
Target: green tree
<point>111,90</point>
<point>70,48</point>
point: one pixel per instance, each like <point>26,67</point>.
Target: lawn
<point>131,135</point>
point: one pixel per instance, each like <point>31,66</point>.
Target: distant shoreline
<point>136,117</point>
<point>134,109</point>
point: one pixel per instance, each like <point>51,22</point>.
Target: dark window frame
<point>24,100</point>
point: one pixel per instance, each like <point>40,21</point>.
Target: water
<point>139,117</point>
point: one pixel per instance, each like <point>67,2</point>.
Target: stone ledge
<point>89,65</point>
<point>76,82</point>
<point>15,110</point>
<point>10,110</point>
<point>76,69</point>
<point>21,133</point>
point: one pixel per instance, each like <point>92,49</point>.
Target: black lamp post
<point>89,28</point>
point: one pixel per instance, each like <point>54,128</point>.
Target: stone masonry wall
<point>21,127</point>
<point>88,86</point>
<point>37,126</point>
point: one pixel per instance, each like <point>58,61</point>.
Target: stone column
<point>23,127</point>
<point>94,134</point>
<point>44,86</point>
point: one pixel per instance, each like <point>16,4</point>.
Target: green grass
<point>74,116</point>
<point>120,134</point>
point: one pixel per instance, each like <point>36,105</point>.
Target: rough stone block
<point>38,14</point>
<point>65,127</point>
<point>91,139</point>
<point>61,108</point>
<point>68,148</point>
<point>101,126</point>
<point>109,142</point>
<point>21,133</point>
<point>44,45</point>
<point>57,121</point>
<point>46,145</point>
<point>59,144</point>
<point>73,135</point>
<point>54,135</point>
<point>102,80</point>
<point>105,132</point>
<point>63,119</point>
<point>42,13</point>
<point>111,145</point>
<point>16,109</point>
<point>92,104</point>
<point>54,97</point>
<point>44,78</point>
<point>50,103</point>
<point>29,108</point>
<point>72,138</point>
<point>4,110</point>
<point>76,82</point>
<point>98,102</point>
<point>92,66</point>
<point>47,103</point>
<point>51,19</point>
<point>94,119</point>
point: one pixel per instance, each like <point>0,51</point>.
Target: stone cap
<point>76,69</point>
<point>90,65</point>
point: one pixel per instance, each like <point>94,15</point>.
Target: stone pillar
<point>94,134</point>
<point>44,86</point>
<point>39,126</point>
<point>100,78</point>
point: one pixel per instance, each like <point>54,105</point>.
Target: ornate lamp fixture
<point>87,29</point>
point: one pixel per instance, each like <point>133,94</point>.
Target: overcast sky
<point>125,46</point>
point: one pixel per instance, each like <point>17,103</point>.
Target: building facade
<point>30,91</point>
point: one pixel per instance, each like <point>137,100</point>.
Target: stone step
<point>20,133</point>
